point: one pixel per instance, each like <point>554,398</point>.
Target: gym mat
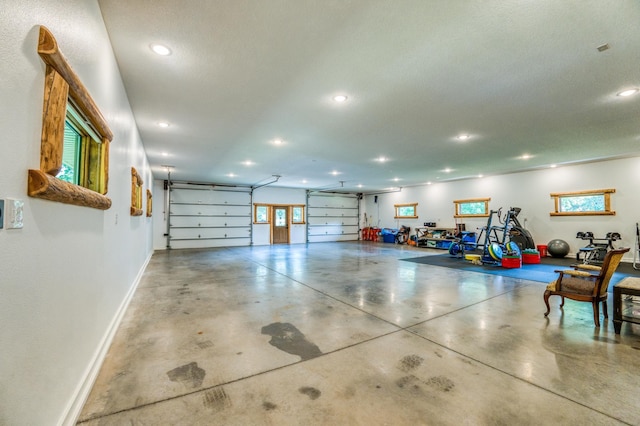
<point>541,272</point>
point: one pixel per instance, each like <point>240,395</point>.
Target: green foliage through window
<point>406,210</point>
<point>69,171</point>
<point>473,208</point>
<point>584,203</point>
<point>470,208</point>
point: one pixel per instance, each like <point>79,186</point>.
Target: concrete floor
<point>347,334</point>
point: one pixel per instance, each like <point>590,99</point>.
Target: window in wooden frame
<point>64,93</point>
<point>595,202</point>
<point>149,203</point>
<point>261,213</point>
<point>297,215</point>
<point>136,193</point>
<point>475,207</point>
<point>406,211</point>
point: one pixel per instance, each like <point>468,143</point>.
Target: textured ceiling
<point>519,77</point>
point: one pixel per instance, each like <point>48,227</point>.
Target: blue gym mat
<point>541,272</point>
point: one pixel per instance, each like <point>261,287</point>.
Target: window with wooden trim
<point>476,207</point>
<point>406,211</point>
<point>583,203</point>
<point>79,174</point>
<point>261,213</point>
<point>136,193</point>
<point>297,215</point>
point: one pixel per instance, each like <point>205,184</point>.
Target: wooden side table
<point>624,308</point>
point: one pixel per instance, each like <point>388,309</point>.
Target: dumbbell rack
<point>597,248</point>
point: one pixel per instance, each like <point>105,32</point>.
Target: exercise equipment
<point>494,238</point>
<point>597,248</point>
<point>558,248</point>
<point>517,232</point>
<point>402,236</point>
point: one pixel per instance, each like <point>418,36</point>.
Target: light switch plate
<point>14,213</point>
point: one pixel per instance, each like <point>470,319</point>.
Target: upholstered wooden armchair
<point>586,283</point>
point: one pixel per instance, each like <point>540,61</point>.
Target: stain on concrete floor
<point>190,375</point>
<point>289,339</point>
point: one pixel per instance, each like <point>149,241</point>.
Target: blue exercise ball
<point>558,248</point>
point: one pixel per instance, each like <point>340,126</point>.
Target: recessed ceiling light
<point>396,179</point>
<point>447,170</point>
<point>160,49</point>
<point>278,141</point>
<point>553,166</point>
<point>628,92</point>
<point>525,156</point>
<point>335,173</point>
<point>429,183</point>
<point>248,163</point>
<point>340,98</point>
<point>304,181</point>
<point>360,185</point>
<point>480,176</point>
<point>463,137</point>
<point>165,154</point>
<point>381,159</point>
<point>163,124</point>
<point>231,175</point>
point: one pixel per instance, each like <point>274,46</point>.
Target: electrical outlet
<point>1,214</point>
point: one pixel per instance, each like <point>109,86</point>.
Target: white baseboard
<point>73,409</point>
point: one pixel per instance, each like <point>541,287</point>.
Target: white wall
<point>67,274</point>
<point>529,191</point>
<point>274,195</point>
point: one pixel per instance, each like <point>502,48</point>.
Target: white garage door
<point>332,217</point>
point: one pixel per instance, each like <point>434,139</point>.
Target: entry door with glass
<point>280,225</point>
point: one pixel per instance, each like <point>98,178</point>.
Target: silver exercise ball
<point>558,248</point>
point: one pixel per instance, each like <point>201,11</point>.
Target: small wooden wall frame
<point>62,83</point>
<point>149,203</point>
<point>136,193</point>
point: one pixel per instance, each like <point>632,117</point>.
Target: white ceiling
<point>519,76</point>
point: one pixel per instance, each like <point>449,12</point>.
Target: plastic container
<point>511,262</point>
<point>530,258</point>
<point>542,250</point>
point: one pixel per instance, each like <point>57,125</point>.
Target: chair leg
<point>605,310</point>
<point>562,302</point>
<point>596,313</point>
<point>547,293</point>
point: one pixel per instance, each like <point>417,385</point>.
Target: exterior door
<point>280,225</point>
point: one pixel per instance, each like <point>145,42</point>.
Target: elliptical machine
<point>517,233</point>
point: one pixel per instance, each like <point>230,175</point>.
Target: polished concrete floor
<point>348,334</point>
